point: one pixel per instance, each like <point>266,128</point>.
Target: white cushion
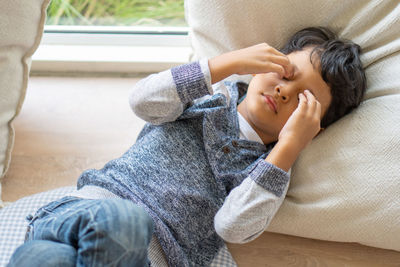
<point>21,27</point>
<point>345,185</point>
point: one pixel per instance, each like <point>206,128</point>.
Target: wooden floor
<point>68,125</point>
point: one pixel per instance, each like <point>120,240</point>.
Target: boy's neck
<point>241,109</point>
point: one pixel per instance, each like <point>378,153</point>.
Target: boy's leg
<point>30,254</point>
<point>103,232</point>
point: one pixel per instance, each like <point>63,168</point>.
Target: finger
<point>311,99</point>
<point>309,95</point>
<point>277,57</point>
<point>289,70</point>
<point>284,61</point>
<point>272,50</point>
<point>302,101</point>
<point>281,60</point>
<point>268,50</point>
<point>314,107</point>
<point>272,67</point>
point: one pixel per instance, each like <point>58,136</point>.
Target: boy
<point>205,168</point>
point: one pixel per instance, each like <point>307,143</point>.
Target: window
<point>113,36</point>
<point>116,13</point>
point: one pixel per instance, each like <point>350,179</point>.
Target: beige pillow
<point>21,27</point>
<point>345,185</point>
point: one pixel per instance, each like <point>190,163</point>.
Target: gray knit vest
<point>182,171</point>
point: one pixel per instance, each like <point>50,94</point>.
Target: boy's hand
<point>301,127</point>
<point>255,59</point>
<point>304,123</point>
<point>262,58</point>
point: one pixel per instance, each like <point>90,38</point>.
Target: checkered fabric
<point>223,259</point>
<point>13,225</point>
<point>13,221</point>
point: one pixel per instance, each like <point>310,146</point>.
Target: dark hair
<point>340,68</point>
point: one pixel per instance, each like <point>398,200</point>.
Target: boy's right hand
<point>260,58</point>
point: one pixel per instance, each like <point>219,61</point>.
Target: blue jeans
<point>86,232</point>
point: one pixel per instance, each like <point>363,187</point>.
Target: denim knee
<point>125,222</point>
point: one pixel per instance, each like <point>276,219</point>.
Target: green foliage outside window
<point>116,12</point>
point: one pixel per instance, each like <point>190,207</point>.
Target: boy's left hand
<point>304,123</point>
<point>301,127</point>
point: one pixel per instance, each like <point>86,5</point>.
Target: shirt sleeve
<point>162,97</point>
<point>250,207</point>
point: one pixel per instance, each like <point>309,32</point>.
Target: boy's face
<point>256,108</point>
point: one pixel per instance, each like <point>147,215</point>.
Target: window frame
<point>115,35</point>
<point>147,49</point>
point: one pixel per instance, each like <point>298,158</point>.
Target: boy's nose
<point>281,94</point>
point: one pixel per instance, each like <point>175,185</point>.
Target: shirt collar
<point>246,131</point>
